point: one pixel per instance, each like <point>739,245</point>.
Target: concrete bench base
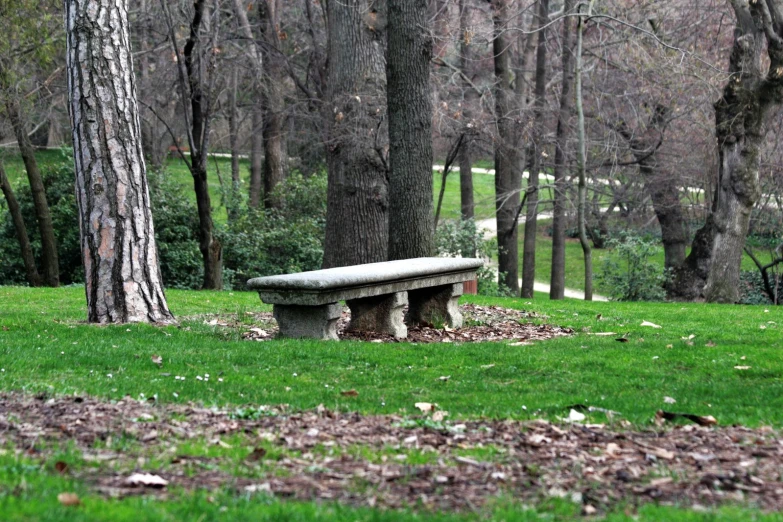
<point>382,313</point>
<point>313,322</point>
<point>435,305</point>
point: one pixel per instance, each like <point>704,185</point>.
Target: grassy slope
<point>44,346</point>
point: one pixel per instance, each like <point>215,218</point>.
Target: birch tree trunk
<point>123,279</point>
<point>411,231</point>
<point>587,251</point>
<point>531,214</point>
<point>356,135</point>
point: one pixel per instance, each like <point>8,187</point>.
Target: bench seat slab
<point>383,314</point>
<point>311,322</point>
<point>435,304</point>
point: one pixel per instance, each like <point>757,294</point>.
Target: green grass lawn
<point>45,347</point>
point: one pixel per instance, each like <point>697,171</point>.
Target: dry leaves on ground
<point>598,467</point>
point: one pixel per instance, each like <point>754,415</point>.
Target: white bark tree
<point>123,279</point>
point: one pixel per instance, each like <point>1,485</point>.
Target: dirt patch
<point>481,324</point>
<point>462,465</point>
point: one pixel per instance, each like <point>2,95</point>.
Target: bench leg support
<point>381,314</point>
<point>312,322</point>
<point>435,305</point>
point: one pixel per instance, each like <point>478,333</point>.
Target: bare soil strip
<point>324,455</point>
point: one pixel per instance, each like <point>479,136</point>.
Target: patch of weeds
<point>252,413</point>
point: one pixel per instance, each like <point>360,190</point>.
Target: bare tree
<point>557,278</point>
<point>751,92</point>
<point>33,278</point>
<point>123,279</point>
<point>531,215</point>
<point>196,71</point>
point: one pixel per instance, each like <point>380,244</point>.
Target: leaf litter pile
<point>481,324</point>
<point>391,461</point>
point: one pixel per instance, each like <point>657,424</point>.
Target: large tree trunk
<point>557,279</point>
<point>754,88</point>
<point>33,278</point>
<point>465,156</point>
<point>411,232</point>
<point>123,279</point>
<point>49,258</point>
<point>508,177</point>
<point>357,136</point>
<point>256,158</point>
<point>531,214</point>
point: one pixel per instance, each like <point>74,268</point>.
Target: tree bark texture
<point>49,258</point>
<point>31,271</point>
<point>356,135</point>
<point>233,138</point>
<point>531,214</point>
<point>508,178</point>
<point>256,158</point>
<point>557,279</point>
<point>411,231</point>
<point>123,279</point>
<point>465,157</point>
<point>272,102</point>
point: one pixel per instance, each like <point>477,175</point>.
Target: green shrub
<point>58,180</point>
<point>464,239</point>
<point>628,274</point>
<point>279,241</point>
<point>176,233</point>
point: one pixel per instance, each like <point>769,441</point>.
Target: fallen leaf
<point>146,480</point>
<point>256,455</point>
<point>61,467</point>
<point>648,323</point>
<point>425,407</point>
<point>157,359</point>
<point>69,499</point>
<point>349,393</point>
<point>256,488</point>
<point>439,415</point>
<point>588,510</point>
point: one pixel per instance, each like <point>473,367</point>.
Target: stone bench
<point>307,304</point>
